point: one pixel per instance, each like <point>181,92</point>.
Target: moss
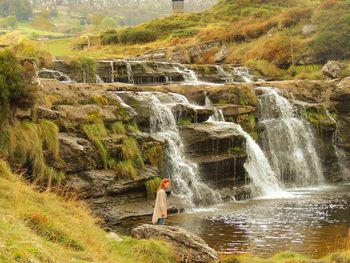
<point>236,150</point>
<point>25,145</point>
<point>154,155</point>
<point>118,128</point>
<point>184,121</point>
<point>318,117</point>
<point>100,100</point>
<point>132,127</point>
<point>151,187</point>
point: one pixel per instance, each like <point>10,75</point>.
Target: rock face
<point>218,151</point>
<point>333,68</point>
<point>187,246</point>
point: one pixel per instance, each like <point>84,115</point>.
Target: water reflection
<point>314,222</point>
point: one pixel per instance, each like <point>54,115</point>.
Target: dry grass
<point>42,227</point>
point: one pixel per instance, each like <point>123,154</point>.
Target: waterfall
<point>342,160</point>
<point>264,180</point>
<point>47,74</point>
<point>218,115</point>
<point>183,173</point>
<point>288,140</point>
<point>188,74</point>
<point>99,80</point>
<point>130,73</point>
<point>226,76</point>
<point>112,70</point>
<point>258,168</point>
<point>243,73</point>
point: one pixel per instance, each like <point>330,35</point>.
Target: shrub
<point>108,23</point>
<point>110,37</point>
<point>16,88</point>
<point>137,35</point>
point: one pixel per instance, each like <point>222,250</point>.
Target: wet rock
<point>234,110</point>
<point>333,68</point>
<point>210,139</point>
<point>342,96</point>
<point>97,183</point>
<point>187,246</point>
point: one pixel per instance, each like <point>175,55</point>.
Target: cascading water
<point>258,168</point>
<point>264,180</point>
<point>188,74</point>
<point>47,73</point>
<point>288,140</point>
<point>218,115</point>
<point>225,75</point>
<point>130,73</point>
<point>243,73</point>
<point>183,173</point>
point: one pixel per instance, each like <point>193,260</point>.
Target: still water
<point>313,221</point>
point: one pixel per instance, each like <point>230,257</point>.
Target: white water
<point>130,73</point>
<point>218,115</point>
<point>244,73</point>
<point>189,75</point>
<point>226,76</point>
<point>288,141</point>
<point>264,180</point>
<point>56,74</point>
<point>342,160</point>
<point>99,80</point>
<point>183,173</point>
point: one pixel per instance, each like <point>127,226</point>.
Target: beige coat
<point>161,206</point>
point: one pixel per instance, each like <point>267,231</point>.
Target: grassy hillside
<point>42,227</point>
<point>280,34</point>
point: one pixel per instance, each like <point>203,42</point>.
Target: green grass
<point>26,144</point>
<point>42,227</point>
<point>27,28</point>
<point>152,187</point>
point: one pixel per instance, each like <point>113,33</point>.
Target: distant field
<point>27,28</point>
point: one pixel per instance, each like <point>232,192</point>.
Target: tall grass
<point>25,144</point>
<point>42,227</point>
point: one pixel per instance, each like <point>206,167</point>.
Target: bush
<point>137,35</point>
<point>108,23</point>
<point>110,37</point>
<point>16,88</point>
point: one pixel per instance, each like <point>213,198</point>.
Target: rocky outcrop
<point>333,68</point>
<point>187,246</point>
<point>219,152</point>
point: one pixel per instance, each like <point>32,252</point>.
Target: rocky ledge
<point>187,246</point>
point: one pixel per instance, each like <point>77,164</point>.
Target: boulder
<point>221,54</point>
<point>188,247</point>
<point>234,110</point>
<point>308,29</point>
<point>77,153</point>
<point>333,68</point>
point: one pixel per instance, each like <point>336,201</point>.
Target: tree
<point>19,8</point>
<point>108,23</point>
<point>11,21</point>
<point>16,87</point>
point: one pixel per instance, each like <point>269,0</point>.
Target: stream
<point>312,221</point>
